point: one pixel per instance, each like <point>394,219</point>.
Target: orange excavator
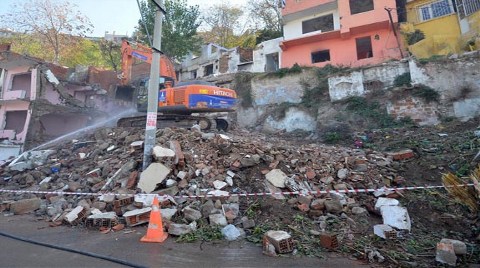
<point>176,101</point>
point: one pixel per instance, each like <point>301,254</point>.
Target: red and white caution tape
<point>225,194</point>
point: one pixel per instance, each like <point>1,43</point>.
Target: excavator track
<point>185,121</point>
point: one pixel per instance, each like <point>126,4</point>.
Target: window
<point>321,56</point>
<point>435,9</point>
<point>193,74</point>
<point>467,7</point>
<point>323,23</point>
<point>209,69</point>
<point>359,6</point>
<point>364,47</point>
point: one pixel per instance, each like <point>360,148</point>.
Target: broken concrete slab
<point>161,153</point>
<point>445,253</point>
<point>217,219</point>
<point>25,206</point>
<point>179,229</point>
<point>153,175</point>
<point>396,216</point>
<point>383,201</point>
<point>277,178</point>
<point>30,159</point>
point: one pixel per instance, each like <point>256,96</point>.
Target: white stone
<point>219,184</point>
<point>277,178</point>
<point>182,175</point>
<point>82,155</point>
<point>111,148</point>
<point>230,232</point>
<point>358,210</point>
<point>136,144</point>
<point>46,180</point>
<point>381,229</point>
<point>342,173</point>
<point>229,181</point>
<point>160,152</point>
<point>225,137</point>
<point>171,183</point>
<point>230,173</point>
<point>96,211</point>
<point>396,216</point>
<point>153,175</point>
<point>382,201</point>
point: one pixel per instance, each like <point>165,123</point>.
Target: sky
<point>120,16</point>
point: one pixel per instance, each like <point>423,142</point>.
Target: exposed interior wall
<point>59,124</point>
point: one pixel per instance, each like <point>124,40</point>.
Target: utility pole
<point>389,10</point>
<point>151,124</point>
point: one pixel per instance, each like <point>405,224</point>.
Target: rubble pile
<point>189,163</point>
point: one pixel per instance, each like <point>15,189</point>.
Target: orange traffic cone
<point>155,231</point>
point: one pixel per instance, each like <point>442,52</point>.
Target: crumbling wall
<point>455,81</point>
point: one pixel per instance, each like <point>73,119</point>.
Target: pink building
<point>338,32</point>
<point>40,101</point>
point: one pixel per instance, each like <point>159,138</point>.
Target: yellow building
<point>441,27</point>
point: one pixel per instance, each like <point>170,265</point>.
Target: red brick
<point>402,155</point>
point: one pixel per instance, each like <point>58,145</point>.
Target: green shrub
<point>414,37</point>
<point>427,93</point>
<point>403,80</point>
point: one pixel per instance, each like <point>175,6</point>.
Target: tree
<point>56,23</point>
<point>266,16</point>
<point>224,21</point>
<point>179,29</point>
<point>111,53</point>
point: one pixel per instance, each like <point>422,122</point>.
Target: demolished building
<point>215,60</point>
<point>40,101</point>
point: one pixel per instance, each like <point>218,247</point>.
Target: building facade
<point>441,27</point>
<point>339,32</point>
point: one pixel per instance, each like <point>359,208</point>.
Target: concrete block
<point>191,214</point>
<point>446,254</point>
<point>155,173</point>
<point>137,216</point>
<point>25,206</point>
<point>217,219</point>
<point>179,229</point>
<point>459,247</point>
<point>277,178</point>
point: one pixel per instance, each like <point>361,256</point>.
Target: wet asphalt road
<point>124,245</point>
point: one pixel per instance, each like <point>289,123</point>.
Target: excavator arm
<point>134,51</point>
